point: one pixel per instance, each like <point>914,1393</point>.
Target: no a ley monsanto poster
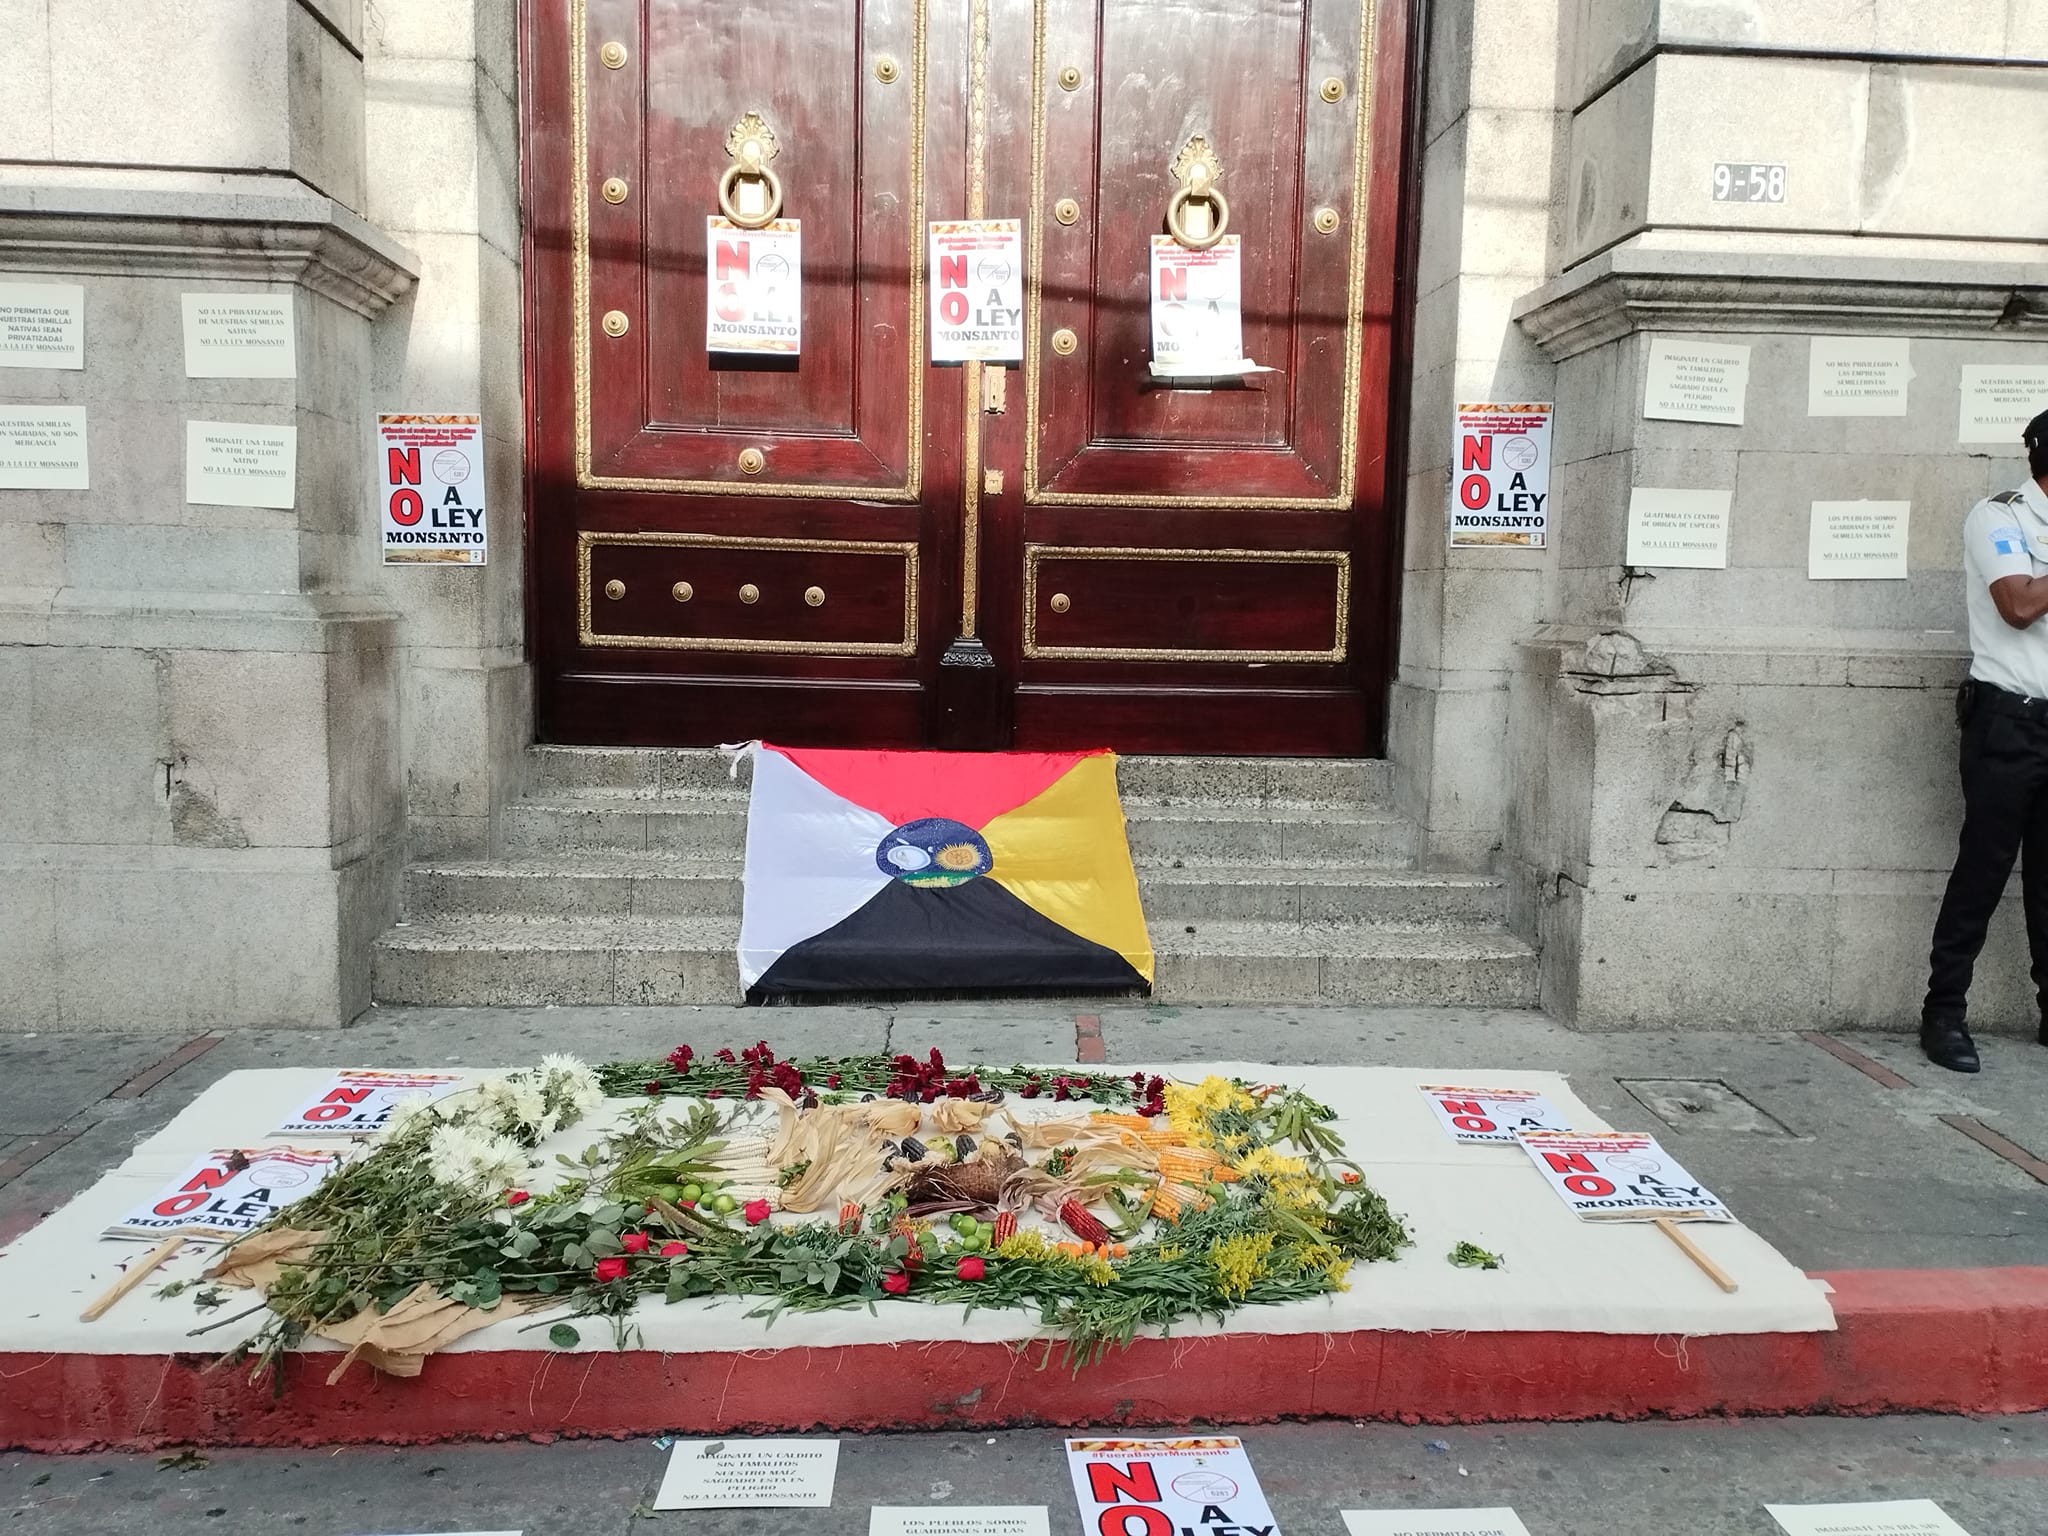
<point>1186,1487</point>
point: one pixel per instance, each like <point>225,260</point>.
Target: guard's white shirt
<point>2000,539</point>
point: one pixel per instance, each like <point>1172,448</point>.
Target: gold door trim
<point>587,539</point>
<point>1034,553</point>
<point>1363,100</point>
<point>912,485</point>
<point>972,407</point>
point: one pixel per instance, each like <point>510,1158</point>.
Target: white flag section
<point>1896,1517</point>
<point>1493,1114</point>
<point>1620,1176</point>
<point>814,849</point>
<point>1196,1486</point>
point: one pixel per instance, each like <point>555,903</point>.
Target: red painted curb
<point>1955,1341</point>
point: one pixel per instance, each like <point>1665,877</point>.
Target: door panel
<point>854,546</point>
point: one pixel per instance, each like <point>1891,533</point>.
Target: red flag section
<point>971,787</point>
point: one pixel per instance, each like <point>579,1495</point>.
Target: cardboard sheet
<point>1561,1274</point>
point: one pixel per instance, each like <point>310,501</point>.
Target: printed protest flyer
<point>1196,1486</point>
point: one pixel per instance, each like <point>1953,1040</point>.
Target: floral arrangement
<point>1136,1204</point>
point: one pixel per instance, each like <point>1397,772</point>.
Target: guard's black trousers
<point>2005,811</point>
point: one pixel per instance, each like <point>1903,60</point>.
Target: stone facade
<point>1722,797</point>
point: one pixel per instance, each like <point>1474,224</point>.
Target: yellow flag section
<point>1064,853</point>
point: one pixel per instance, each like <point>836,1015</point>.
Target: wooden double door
<point>857,546</point>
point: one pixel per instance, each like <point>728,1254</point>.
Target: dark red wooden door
<point>855,546</point>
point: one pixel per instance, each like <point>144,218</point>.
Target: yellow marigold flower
<point>1239,1260</point>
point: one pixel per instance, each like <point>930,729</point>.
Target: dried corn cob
<point>1166,1203</point>
<point>1078,1220</point>
<point>1128,1122</point>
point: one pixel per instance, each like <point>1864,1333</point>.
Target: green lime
<point>962,1223</point>
<point>725,1205</point>
<point>899,1201</point>
<point>693,1191</point>
<point>1215,1191</point>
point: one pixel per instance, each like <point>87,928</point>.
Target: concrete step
<point>710,826</point>
<point>612,885</point>
<point>650,772</point>
<point>453,962</point>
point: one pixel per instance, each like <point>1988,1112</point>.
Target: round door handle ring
<point>1176,210</point>
<point>731,179</point>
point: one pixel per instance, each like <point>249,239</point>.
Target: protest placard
<point>749,1474</point>
<point>229,1192</point>
<point>1493,1114</point>
<point>1619,1176</point>
<point>356,1103</point>
<point>1194,1486</point>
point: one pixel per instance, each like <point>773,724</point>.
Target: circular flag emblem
<point>934,851</point>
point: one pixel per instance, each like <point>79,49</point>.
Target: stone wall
<point>1732,793</point>
<point>216,721</point>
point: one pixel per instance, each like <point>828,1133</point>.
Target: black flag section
<point>963,938</point>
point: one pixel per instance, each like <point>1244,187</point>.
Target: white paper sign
<point>1858,375</point>
<point>1195,1486</point>
<point>1896,1517</point>
<point>240,464</point>
<point>42,325</point>
<point>1197,308</point>
<point>1997,402</point>
<point>1857,540</point>
<point>42,448</point>
<point>431,486</point>
<point>1678,528</point>
<point>1619,1176</point>
<point>240,336</point>
<point>359,1103</point>
<point>959,1520</point>
<point>1696,381</point>
<point>227,1193</point>
<point>749,1474</point>
<point>753,289</point>
<point>1493,1114</point>
<point>1434,1522</point>
<point>1501,493</point>
<point>977,283</point>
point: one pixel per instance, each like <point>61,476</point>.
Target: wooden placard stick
<point>130,1280</point>
<point>1691,1250</point>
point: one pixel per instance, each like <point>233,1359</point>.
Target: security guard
<point>2003,711</point>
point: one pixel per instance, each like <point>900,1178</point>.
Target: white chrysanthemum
<point>546,1126</point>
<point>409,1110</point>
<point>560,1064</point>
<point>528,1103</point>
<point>572,1087</point>
<point>465,1156</point>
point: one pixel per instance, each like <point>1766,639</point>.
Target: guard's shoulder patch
<point>2007,498</point>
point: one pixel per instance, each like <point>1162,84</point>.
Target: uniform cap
<point>2035,433</point>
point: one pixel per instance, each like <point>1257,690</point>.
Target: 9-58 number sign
<point>1748,181</point>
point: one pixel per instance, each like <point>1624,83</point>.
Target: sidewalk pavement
<point>1868,1157</point>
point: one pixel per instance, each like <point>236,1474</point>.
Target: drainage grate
<point>1709,1105</point>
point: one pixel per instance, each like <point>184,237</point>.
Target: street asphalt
<point>1865,1162</point>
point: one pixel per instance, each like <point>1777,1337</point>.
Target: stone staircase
<point>1264,881</point>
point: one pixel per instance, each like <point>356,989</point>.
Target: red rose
<point>832,1081</point>
<point>896,1283</point>
<point>675,1250</point>
<point>970,1268</point>
<point>756,1212</point>
<point>633,1242</point>
<point>610,1269</point>
<point>517,1197</point>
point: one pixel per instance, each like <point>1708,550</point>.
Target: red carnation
<point>675,1250</point>
<point>832,1081</point>
<point>653,1089</point>
<point>681,1057</point>
<point>633,1242</point>
<point>610,1269</point>
<point>895,1283</point>
<point>715,1093</point>
<point>725,1055</point>
<point>517,1197</point>
<point>756,1212</point>
<point>970,1268</point>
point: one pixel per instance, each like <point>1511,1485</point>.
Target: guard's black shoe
<point>1948,1044</point>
